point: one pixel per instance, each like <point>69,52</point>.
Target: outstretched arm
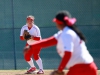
<point>51,41</point>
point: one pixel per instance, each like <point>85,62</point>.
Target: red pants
<point>32,52</point>
<point>83,69</point>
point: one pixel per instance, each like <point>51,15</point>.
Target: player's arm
<point>68,49</point>
<point>65,59</point>
<point>22,38</point>
<point>21,34</point>
<point>37,34</point>
<point>51,41</point>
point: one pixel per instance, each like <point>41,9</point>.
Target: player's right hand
<point>56,72</point>
<point>26,48</point>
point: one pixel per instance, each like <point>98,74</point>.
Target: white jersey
<point>68,40</point>
<point>34,31</point>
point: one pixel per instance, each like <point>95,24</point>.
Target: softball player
<point>34,31</point>
<point>70,44</point>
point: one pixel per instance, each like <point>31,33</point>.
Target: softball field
<point>21,72</point>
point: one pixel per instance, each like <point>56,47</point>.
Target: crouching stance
<point>33,32</point>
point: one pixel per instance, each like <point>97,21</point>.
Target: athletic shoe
<point>40,71</point>
<point>31,70</point>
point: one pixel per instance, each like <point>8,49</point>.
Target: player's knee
<point>26,49</point>
<point>36,57</point>
<point>27,57</point>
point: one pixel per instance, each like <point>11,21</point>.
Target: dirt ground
<point>21,72</point>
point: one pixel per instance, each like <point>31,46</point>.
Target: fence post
<point>13,35</point>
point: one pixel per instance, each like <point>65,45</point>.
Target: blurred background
<point>13,15</point>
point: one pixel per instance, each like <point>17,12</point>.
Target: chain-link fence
<point>13,16</point>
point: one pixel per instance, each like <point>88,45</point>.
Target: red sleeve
<point>36,38</point>
<point>45,42</point>
<point>21,38</point>
<point>65,60</point>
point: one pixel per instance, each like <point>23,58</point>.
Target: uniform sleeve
<point>21,32</point>
<point>37,32</point>
<point>65,59</point>
<point>57,35</point>
<point>67,41</point>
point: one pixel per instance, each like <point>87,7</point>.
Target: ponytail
<point>64,17</point>
<point>78,32</point>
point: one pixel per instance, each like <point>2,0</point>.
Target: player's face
<point>58,26</point>
<point>29,21</point>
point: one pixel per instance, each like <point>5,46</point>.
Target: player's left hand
<point>26,35</point>
<point>56,72</point>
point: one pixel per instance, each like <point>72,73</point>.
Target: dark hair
<point>60,16</point>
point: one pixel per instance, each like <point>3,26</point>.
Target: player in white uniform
<point>34,31</point>
<point>71,47</point>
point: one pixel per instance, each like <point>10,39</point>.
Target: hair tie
<point>69,21</point>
